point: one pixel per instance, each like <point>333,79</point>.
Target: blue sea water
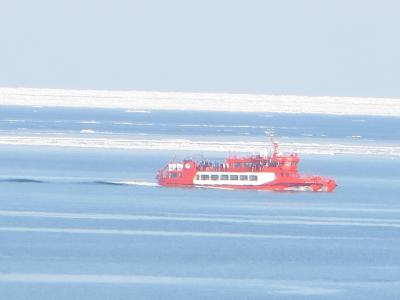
<point>118,122</point>
<point>80,223</point>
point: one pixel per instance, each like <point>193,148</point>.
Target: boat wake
<point>101,182</point>
<point>22,180</point>
<point>141,183</point>
<point>128,182</point>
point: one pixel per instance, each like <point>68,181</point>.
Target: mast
<point>274,143</point>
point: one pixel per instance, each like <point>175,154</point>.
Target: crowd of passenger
<point>220,167</point>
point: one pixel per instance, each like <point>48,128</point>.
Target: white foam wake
<point>132,182</point>
<point>139,101</point>
<point>191,145</point>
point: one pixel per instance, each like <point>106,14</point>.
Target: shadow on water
<point>22,180</point>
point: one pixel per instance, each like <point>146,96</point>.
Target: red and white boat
<point>277,172</point>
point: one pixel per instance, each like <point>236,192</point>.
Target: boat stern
<point>323,184</point>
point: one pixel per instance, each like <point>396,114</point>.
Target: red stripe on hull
<point>306,186</point>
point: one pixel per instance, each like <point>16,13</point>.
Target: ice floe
<point>199,145</point>
<point>87,131</point>
<point>145,101</point>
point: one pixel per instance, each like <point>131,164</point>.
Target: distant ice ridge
<point>87,131</point>
<point>199,146</point>
<point>145,101</point>
<point>88,122</point>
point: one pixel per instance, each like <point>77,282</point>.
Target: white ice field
<point>150,100</point>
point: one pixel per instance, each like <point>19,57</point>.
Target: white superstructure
<point>233,178</point>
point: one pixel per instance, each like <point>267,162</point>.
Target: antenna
<point>273,142</point>
<point>270,134</point>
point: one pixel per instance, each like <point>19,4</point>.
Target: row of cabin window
<point>227,177</point>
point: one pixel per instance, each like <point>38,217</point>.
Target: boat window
<point>205,177</point>
<point>238,165</point>
<point>214,177</point>
<point>233,177</point>
<point>173,175</point>
<point>224,177</point>
<point>197,177</point>
<point>253,177</point>
<point>244,177</point>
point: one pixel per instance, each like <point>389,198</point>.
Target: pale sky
<point>303,47</point>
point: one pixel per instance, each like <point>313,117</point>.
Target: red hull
<point>274,172</point>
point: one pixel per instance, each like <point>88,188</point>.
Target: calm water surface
<point>93,224</point>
